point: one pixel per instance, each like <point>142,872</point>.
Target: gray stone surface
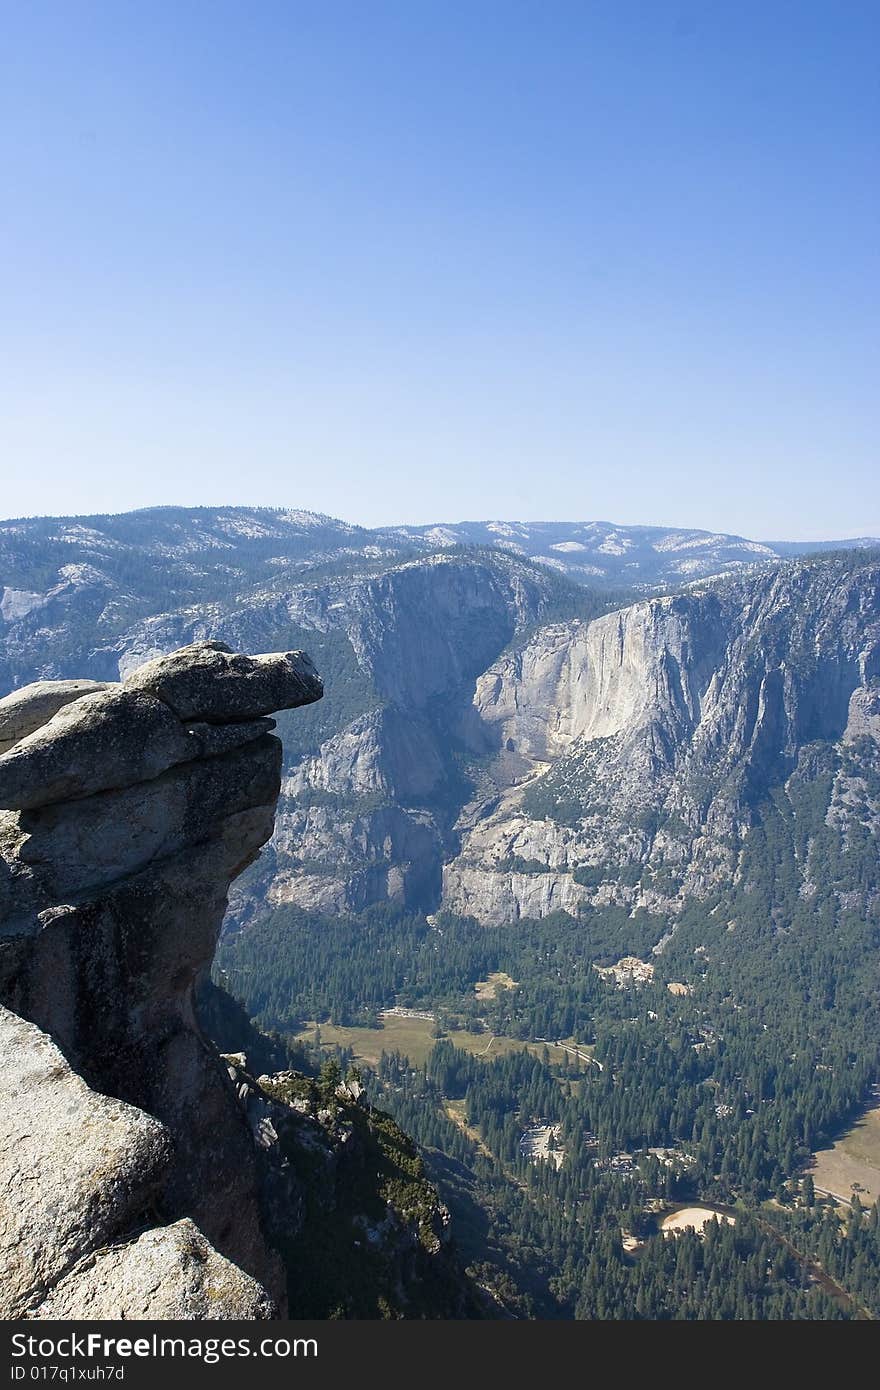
<point>75,1167</point>
<point>864,714</point>
<point>131,820</point>
<point>124,736</point>
<point>77,845</point>
<point>208,740</point>
<point>207,681</point>
<point>167,1273</point>
<point>114,738</point>
<point>33,705</point>
<point>669,720</point>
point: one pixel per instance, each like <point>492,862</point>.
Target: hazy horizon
<point>443,521</point>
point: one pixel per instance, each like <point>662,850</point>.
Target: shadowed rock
<point>79,845</point>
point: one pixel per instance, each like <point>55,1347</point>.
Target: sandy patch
<point>694,1217</point>
<point>488,989</point>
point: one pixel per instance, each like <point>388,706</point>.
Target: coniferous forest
<point>715,1093</point>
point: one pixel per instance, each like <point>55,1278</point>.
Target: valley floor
<point>415,1037</point>
<point>852,1163</point>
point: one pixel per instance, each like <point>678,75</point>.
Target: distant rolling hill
<point>207,554</point>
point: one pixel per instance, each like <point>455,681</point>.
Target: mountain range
<point>612,790</point>
<point>498,737</point>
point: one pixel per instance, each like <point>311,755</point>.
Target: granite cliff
<point>144,1175</point>
<point>371,779</point>
<point>625,758</point>
<point>128,810</point>
<point>495,739</point>
<point>616,759</point>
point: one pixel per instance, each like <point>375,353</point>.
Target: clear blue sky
<point>457,260</point>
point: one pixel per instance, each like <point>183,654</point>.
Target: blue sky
<point>405,262</point>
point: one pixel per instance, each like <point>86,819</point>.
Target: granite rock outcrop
<point>128,809</point>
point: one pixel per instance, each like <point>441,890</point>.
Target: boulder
<point>34,705</point>
<point>207,681</point>
<point>114,738</point>
<point>100,839</point>
<point>168,1272</point>
<point>107,741</point>
<point>76,1167</point>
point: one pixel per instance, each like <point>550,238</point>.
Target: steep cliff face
<point>370,789</point>
<point>458,760</point>
<point>630,752</point>
<point>144,1175</point>
<point>69,585</point>
<point>371,1236</point>
<point>129,810</point>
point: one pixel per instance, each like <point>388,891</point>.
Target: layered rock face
<point>630,753</point>
<point>127,811</point>
<point>469,731</point>
<point>618,760</point>
<point>365,810</point>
